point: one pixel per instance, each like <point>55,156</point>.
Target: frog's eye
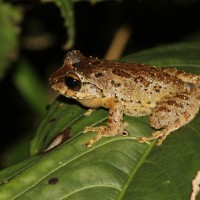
<point>73,82</point>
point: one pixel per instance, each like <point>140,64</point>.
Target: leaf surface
<point>10,17</point>
<point>113,168</point>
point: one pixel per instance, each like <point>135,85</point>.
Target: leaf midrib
<point>135,169</point>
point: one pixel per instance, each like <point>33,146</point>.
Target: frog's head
<point>70,81</point>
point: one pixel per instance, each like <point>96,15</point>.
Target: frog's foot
<point>160,135</point>
<point>102,131</point>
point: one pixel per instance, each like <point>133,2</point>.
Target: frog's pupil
<point>72,83</point>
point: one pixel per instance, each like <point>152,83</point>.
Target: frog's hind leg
<point>162,134</point>
<point>173,113</point>
<point>184,76</point>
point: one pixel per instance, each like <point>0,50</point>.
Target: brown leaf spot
<point>53,181</point>
<point>47,107</point>
<point>52,120</point>
<point>60,139</point>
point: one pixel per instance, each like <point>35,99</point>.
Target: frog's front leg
<point>172,113</point>
<point>115,117</point>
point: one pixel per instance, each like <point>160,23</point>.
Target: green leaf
<point>67,12</point>
<point>10,16</point>
<point>113,168</point>
<point>178,54</point>
<point>29,84</point>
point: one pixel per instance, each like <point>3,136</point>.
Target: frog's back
<point>137,86</point>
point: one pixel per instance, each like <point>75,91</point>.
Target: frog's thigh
<point>181,107</point>
<point>173,113</point>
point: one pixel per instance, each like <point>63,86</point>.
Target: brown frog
<point>171,98</point>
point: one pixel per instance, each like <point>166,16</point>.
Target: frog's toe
<point>88,143</point>
<point>161,139</point>
<point>154,136</point>
<point>93,140</point>
<point>142,139</point>
<point>160,135</point>
<point>159,142</point>
<point>93,129</point>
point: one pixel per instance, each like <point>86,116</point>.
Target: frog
<point>168,96</point>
